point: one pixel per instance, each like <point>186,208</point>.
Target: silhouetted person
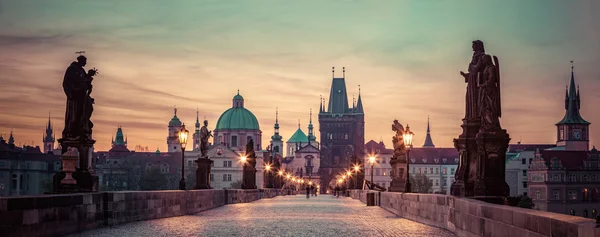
<point>337,191</point>
<point>307,192</point>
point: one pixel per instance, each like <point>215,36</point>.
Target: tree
<point>236,185</point>
<point>420,183</point>
<point>526,202</point>
<point>153,179</point>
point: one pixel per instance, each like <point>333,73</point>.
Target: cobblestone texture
<point>281,216</point>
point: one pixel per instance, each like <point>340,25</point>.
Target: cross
<point>80,52</point>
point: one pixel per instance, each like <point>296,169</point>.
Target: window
<point>530,159</point>
<point>228,163</point>
<point>220,139</point>
<point>585,178</point>
<point>523,161</point>
<point>425,170</point>
<point>437,182</point>
<point>190,163</point>
<point>224,163</point>
<point>556,195</point>
<point>445,171</point>
<point>382,160</point>
<point>234,141</point>
<point>437,170</point>
<point>538,195</point>
<point>452,171</point>
<point>524,172</point>
<point>212,177</point>
<point>229,177</point>
<point>2,164</point>
<point>431,170</point>
<point>572,178</point>
<point>224,177</point>
<point>377,171</point>
<point>572,195</point>
<point>525,184</point>
<point>419,171</point>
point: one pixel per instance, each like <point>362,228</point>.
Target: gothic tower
<point>48,139</point>
<point>342,132</point>
<point>276,139</point>
<point>428,142</point>
<point>173,138</point>
<point>573,131</point>
<point>196,135</point>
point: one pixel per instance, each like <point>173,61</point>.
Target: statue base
<point>76,176</point>
<point>491,151</point>
<point>399,185</point>
<point>249,177</point>
<point>203,173</point>
<point>466,145</point>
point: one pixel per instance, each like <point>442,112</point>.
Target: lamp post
<point>268,183</point>
<point>372,161</point>
<point>183,135</point>
<point>243,160</point>
<point>356,169</point>
<point>407,136</point>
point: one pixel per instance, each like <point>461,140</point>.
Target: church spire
<point>197,120</point>
<point>321,104</point>
<point>311,136</point>
<point>276,136</point>
<point>572,115</point>
<point>428,142</point>
<point>359,106</point>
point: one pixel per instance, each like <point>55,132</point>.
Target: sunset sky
<point>405,55</point>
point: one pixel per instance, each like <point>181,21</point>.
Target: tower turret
<point>173,138</point>
<point>276,139</point>
<point>573,130</point>
<point>196,135</point>
<point>311,136</point>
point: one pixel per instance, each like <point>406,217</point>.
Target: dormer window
<point>436,160</point>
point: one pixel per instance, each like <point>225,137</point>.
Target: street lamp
<point>372,161</point>
<point>183,135</point>
<point>407,136</point>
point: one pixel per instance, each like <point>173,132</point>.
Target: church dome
<point>237,117</point>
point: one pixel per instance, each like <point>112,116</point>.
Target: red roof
<point>571,160</point>
<point>528,147</point>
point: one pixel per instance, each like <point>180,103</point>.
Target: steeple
<point>572,115</point>
<point>311,136</point>
<point>276,137</point>
<point>338,98</point>
<point>11,139</point>
<point>48,139</point>
<point>359,106</point>
<point>120,140</point>
<point>428,142</point>
<point>321,104</point>
<point>197,121</point>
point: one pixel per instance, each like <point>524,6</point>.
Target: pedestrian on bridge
<point>307,191</point>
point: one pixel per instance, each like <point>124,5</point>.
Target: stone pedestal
<point>249,177</point>
<point>203,173</point>
<point>491,160</point>
<point>399,175</point>
<point>85,178</point>
<point>466,174</point>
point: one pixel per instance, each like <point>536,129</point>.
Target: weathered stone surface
<point>469,217</point>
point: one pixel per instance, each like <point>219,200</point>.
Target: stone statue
<point>205,134</point>
<point>250,155</point>
<point>472,78</point>
<point>398,139</point>
<point>489,95</point>
<point>77,85</point>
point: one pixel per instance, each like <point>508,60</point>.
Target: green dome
<point>237,118</point>
<point>175,122</point>
<point>299,136</point>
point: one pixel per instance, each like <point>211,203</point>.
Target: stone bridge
<point>270,212</point>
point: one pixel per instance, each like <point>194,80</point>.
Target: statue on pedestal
<point>77,133</point>
<point>203,163</point>
<point>249,168</point>
<point>471,78</point>
<point>399,173</point>
<point>489,95</point>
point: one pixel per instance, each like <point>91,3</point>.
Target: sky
<point>405,55</point>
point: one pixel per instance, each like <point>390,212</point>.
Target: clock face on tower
<point>577,134</point>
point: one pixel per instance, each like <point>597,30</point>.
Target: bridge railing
<point>469,217</point>
<point>62,214</point>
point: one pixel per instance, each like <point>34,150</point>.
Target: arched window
<point>584,193</point>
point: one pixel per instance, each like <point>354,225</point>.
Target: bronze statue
<point>471,78</point>
<point>489,95</point>
<point>77,85</point>
<point>205,134</point>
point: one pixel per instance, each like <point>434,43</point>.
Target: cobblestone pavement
<point>281,216</point>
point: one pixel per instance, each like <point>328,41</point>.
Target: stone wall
<point>468,217</point>
<point>61,214</point>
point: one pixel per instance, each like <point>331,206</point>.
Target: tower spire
<point>572,115</point>
<point>332,72</point>
<point>343,72</point>
<point>311,136</point>
<point>359,106</point>
<point>428,141</point>
<point>197,119</point>
<point>321,104</point>
<point>175,110</point>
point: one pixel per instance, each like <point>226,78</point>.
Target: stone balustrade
<point>469,217</point>
<point>61,214</point>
